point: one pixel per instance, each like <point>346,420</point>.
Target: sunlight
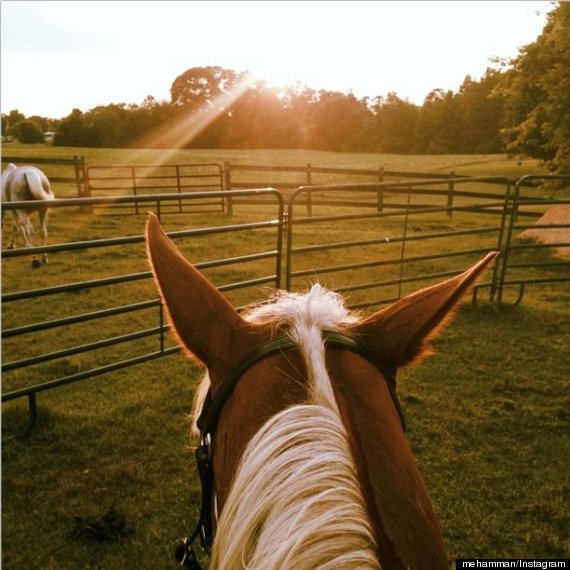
<point>177,134</point>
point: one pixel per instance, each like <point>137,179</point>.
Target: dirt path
<point>554,215</point>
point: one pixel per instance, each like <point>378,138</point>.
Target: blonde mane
<point>296,501</point>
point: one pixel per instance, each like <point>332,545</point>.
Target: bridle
<point>212,408</point>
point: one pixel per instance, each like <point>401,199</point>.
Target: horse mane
<point>296,499</point>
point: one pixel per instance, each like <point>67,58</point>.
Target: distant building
<point>48,137</point>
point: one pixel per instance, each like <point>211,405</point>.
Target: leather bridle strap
<point>207,422</point>
<point>340,340</point>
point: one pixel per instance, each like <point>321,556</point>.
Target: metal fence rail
<point>526,260</point>
<point>23,375</point>
<point>148,179</point>
<point>415,234</point>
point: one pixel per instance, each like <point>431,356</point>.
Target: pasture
<point>107,478</point>
<point>472,165</point>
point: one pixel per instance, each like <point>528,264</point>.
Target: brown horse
<point>311,465</point>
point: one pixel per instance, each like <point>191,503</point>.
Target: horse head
<point>311,463</point>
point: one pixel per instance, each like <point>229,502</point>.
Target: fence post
<point>82,181</point>
<point>450,188</point>
<point>380,203</point>
<point>135,193</point>
<point>178,188</point>
<point>227,185</point>
<point>79,178</point>
<point>309,181</point>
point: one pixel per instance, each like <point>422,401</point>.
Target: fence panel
<point>537,249</point>
<point>289,178</point>
<point>376,242</point>
<point>141,180</point>
<point>93,308</point>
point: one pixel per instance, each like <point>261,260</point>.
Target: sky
<point>61,55</point>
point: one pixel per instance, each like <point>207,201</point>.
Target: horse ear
<point>204,321</point>
<point>398,335</point>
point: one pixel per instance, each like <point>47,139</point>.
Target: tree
<point>107,125</point>
<point>395,124</point>
<point>536,93</point>
<point>145,122</point>
<point>204,87</point>
<point>440,125</point>
<point>202,97</point>
<point>481,114</point>
<point>73,131</point>
<point>299,104</point>
<point>29,132</point>
<point>341,122</point>
<point>10,122</point>
<point>256,120</point>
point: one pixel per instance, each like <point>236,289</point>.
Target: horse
<point>27,183</point>
<point>304,462</point>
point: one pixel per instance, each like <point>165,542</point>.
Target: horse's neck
<point>296,500</point>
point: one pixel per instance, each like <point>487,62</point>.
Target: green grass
<point>473,165</point>
<point>487,413</point>
<point>488,416</point>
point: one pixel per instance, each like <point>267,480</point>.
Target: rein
<point>208,421</point>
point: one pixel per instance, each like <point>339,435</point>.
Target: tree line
<point>223,110</point>
<point>521,106</point>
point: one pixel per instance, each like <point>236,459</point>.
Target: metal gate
<point>527,259</point>
<point>142,180</point>
<point>394,235</point>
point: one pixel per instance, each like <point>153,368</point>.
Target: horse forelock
<point>302,316</point>
<point>297,483</point>
<point>319,308</point>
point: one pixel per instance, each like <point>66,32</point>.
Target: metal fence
<point>140,180</point>
<point>414,233</point>
<point>373,242</point>
<point>531,255</point>
<point>103,292</point>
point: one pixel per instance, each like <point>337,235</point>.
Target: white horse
<point>26,183</point>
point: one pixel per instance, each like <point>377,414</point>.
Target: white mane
<point>296,501</point>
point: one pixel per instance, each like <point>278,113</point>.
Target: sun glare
<point>181,131</point>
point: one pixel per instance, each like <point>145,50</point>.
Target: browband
<point>208,419</point>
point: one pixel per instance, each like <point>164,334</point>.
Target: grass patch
<point>488,416</point>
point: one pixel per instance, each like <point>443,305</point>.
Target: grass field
<point>107,481</point>
<point>472,165</point>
